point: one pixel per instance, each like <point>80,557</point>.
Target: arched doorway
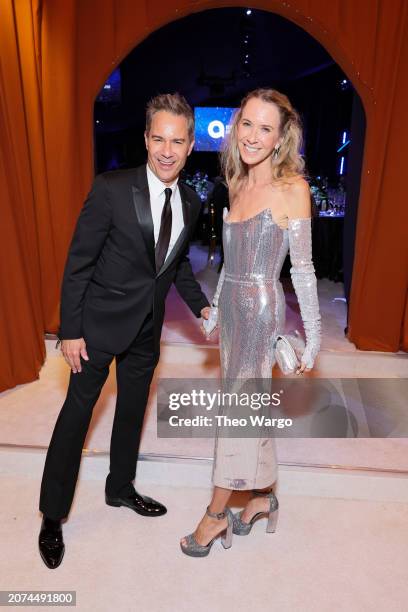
<point>239,49</point>
<point>68,53</point>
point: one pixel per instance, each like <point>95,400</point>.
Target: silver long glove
<point>211,323</point>
<point>304,282</point>
<point>219,287</point>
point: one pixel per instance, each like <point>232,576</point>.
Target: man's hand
<point>73,350</point>
<point>210,323</point>
<point>205,312</point>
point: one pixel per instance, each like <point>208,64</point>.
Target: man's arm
<point>189,288</point>
<point>89,236</point>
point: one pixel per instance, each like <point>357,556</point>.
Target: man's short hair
<point>172,103</point>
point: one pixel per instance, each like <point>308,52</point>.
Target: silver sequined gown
<point>251,311</point>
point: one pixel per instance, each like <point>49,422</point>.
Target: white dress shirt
<point>157,199</point>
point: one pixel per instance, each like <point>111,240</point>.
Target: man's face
<point>168,145</point>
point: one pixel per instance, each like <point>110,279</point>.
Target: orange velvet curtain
<point>55,56</point>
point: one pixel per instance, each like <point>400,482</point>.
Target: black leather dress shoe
<point>51,543</point>
<point>146,506</point>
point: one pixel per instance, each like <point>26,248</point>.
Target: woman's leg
<point>219,499</point>
<point>210,527</point>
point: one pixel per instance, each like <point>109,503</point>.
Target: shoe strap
<point>217,515</point>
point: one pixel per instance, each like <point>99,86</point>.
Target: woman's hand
<point>302,369</point>
<point>207,334</point>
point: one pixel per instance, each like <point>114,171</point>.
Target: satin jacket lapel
<point>141,201</point>
<point>179,245</point>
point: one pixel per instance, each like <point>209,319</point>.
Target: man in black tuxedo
<point>130,244</point>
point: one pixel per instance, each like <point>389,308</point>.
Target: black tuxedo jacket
<point>110,283</point>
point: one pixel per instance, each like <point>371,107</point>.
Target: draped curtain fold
<point>55,56</point>
<point>23,197</point>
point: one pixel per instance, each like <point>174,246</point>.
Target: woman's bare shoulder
<point>297,184</point>
<point>298,198</point>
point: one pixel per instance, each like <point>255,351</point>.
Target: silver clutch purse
<point>289,349</point>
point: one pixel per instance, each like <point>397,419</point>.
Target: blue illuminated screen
<point>112,89</point>
<point>211,127</point>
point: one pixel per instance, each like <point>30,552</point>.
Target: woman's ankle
<point>216,511</point>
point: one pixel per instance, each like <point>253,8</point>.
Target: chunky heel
<point>193,549</point>
<point>242,528</point>
<point>272,521</point>
<point>226,539</point>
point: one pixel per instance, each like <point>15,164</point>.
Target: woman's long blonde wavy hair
<point>288,163</point>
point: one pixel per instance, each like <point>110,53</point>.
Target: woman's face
<point>258,131</point>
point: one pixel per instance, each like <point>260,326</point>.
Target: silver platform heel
<point>194,549</point>
<point>241,528</point>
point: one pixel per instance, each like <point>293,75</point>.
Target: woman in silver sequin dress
<point>270,214</point>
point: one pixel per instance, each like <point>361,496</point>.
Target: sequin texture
<point>251,306</point>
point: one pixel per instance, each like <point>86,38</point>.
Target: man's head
<point>169,135</point>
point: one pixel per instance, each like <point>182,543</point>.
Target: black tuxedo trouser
<point>134,372</point>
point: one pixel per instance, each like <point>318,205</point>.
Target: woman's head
<point>266,129</point>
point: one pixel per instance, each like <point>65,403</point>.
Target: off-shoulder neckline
<point>265,210</point>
